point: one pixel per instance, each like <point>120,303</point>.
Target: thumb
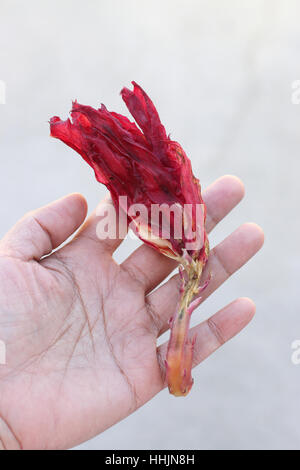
<point>42,230</point>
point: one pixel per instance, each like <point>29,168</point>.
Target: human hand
<point>81,331</point>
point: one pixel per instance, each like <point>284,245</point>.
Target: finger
<point>41,231</point>
<point>104,228</point>
<point>150,267</point>
<point>221,197</point>
<point>225,259</point>
<point>217,330</point>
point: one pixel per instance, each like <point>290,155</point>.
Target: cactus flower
<point>149,169</point>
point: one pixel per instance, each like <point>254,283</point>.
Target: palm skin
<point>81,331</point>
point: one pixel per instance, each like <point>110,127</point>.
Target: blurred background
<point>221,75</point>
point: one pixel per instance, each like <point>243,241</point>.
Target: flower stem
<point>180,348</point>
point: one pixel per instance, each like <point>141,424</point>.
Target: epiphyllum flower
<point>145,165</point>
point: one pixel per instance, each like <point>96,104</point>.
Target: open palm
<point>81,331</point>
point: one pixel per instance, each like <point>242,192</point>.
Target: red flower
<point>145,165</point>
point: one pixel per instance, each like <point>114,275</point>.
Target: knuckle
<point>216,331</point>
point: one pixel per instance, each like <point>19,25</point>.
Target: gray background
<point>220,73</point>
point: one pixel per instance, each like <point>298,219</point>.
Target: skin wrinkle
<point>76,342</point>
<point>11,436</point>
<point>146,327</point>
<point>2,446</point>
<point>91,239</point>
<point>132,389</point>
<point>154,316</point>
<point>137,278</point>
<point>215,254</point>
<point>78,295</point>
<point>106,297</point>
<point>35,358</point>
<point>40,356</point>
<point>70,277</point>
<point>213,330</point>
<point>216,332</point>
<point>35,219</point>
<point>10,256</point>
<point>84,309</point>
